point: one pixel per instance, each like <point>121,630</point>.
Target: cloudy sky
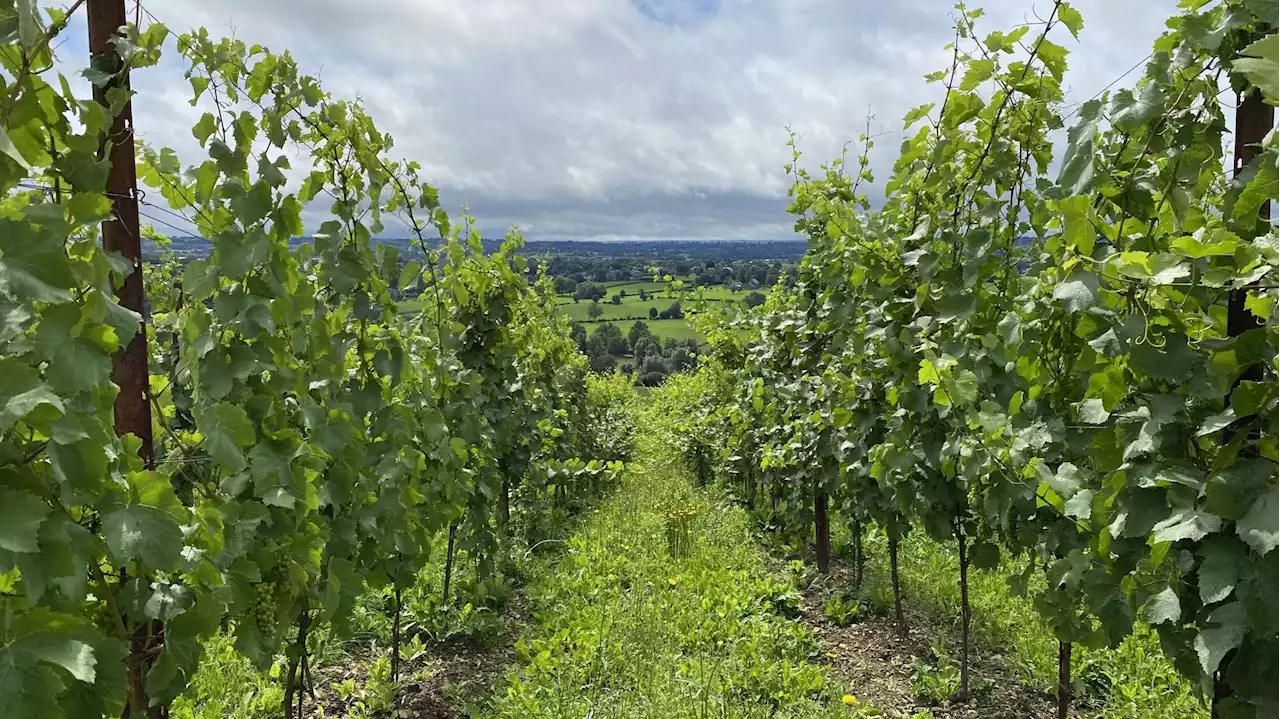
<point>621,118</point>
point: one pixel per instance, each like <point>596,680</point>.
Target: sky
<point>614,119</point>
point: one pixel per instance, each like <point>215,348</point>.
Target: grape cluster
<point>264,600</point>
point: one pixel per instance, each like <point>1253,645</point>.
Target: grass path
<point>621,628</point>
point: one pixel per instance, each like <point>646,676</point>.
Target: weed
<point>937,680</point>
<point>880,599</point>
<point>842,610</point>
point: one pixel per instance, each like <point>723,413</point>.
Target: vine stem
<point>1064,679</point>
<point>898,615</point>
<point>966,613</point>
<point>24,72</point>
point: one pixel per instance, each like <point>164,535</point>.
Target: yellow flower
<point>612,577</point>
<point>671,581</point>
<point>849,699</point>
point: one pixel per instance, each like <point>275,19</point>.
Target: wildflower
<point>671,581</point>
<point>849,699</point>
<point>612,577</point>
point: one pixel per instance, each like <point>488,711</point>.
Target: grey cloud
<point>593,118</point>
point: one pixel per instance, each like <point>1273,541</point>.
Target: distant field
<point>631,308</point>
<point>662,329</point>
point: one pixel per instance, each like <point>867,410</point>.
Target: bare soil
<point>447,681</point>
<point>876,662</point>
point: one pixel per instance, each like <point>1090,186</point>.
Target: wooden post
<point>129,366</point>
<point>121,234</point>
<point>1254,119</point>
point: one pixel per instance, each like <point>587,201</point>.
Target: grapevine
<point>311,443</point>
<point>1069,366</point>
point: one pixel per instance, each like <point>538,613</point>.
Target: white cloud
<point>617,118</point>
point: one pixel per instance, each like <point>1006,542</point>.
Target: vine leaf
<point>1260,66</point>
<point>1258,526</point>
<point>1078,292</point>
<point>1226,627</point>
<point>1186,524</point>
<point>1266,10</point>
<point>1222,564</point>
<point>1076,175</point>
<point>21,515</point>
<point>1071,18</point>
<point>32,643</point>
<point>1093,411</point>
<point>1163,607</point>
<point>8,149</point>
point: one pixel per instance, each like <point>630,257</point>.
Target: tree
<point>754,299</point>
<point>644,296</point>
<point>616,299</point>
<point>578,334</point>
<point>638,331</point>
<point>594,310</point>
<point>588,291</point>
<point>653,313</point>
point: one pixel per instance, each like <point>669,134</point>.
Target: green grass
<point>627,310</point>
<point>662,329</point>
<point>1132,681</point>
<point>622,629</point>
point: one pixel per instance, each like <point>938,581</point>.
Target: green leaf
<point>1010,328</point>
<point>22,393</point>
<point>1185,524</point>
<point>1266,10</point>
<point>1216,423</point>
<point>1076,175</point>
<point>1232,491</point>
<point>1093,411</point>
<point>1227,626</point>
<point>29,30</point>
<point>927,375</point>
<point>977,72</point>
<point>33,265</point>
<point>1072,19</point>
<point>7,149</point>
<point>1258,527</point>
<point>409,274</point>
<point>1218,244</point>
<point>1078,292</point>
<point>1223,562</point>
<point>1077,229</point>
<point>1260,66</point>
<point>1128,113</point>
<point>964,387</point>
<point>1054,57</point>
<point>915,114</point>
<point>1080,506</point>
<point>206,127</point>
<point>228,430</point>
<point>21,515</point>
<point>32,644</point>
<point>144,534</point>
<point>1163,607</point>
<point>1250,397</point>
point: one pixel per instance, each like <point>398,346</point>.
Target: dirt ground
<point>876,663</point>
